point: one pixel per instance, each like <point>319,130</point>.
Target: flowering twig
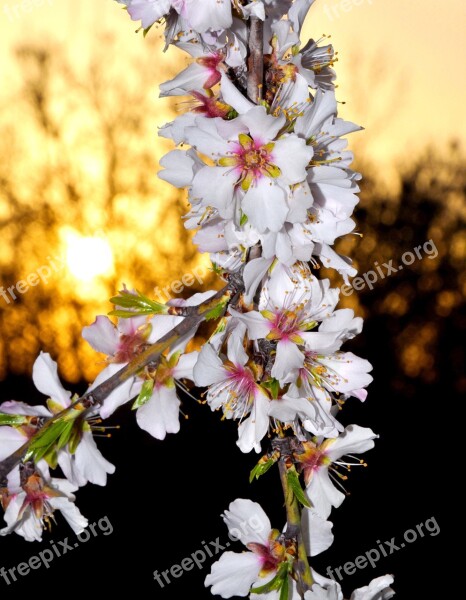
<point>149,356</point>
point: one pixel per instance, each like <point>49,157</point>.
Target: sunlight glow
<point>88,257</point>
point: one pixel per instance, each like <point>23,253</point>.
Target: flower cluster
<point>270,189</point>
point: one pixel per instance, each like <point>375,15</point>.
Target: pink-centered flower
<point>233,388</point>
<point>235,573</point>
<point>29,505</point>
<point>320,463</point>
<point>255,165</point>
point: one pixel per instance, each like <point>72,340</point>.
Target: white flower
<point>318,462</point>
<point>378,589</point>
<point>147,11</point>
<point>86,463</point>
<point>234,574</point>
<point>203,73</point>
<point>326,589</point>
<point>291,304</point>
<point>160,414</point>
<point>205,15</point>
<point>29,507</point>
<point>233,387</point>
<point>254,169</point>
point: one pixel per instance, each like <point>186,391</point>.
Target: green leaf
<point>217,311</point>
<point>144,395</point>
<point>244,219</point>
<point>261,468</point>
<point>139,303</point>
<point>295,485</point>
<point>273,385</point>
<point>12,419</point>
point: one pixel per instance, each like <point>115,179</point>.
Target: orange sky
<point>419,43</point>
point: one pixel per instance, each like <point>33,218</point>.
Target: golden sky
<point>417,47</point>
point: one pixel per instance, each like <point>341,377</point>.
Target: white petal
<point>71,513</point>
<point>232,96</point>
<point>292,156</point>
<point>185,366</point>
<point>215,186</point>
<point>192,78</point>
<point>12,407</point>
<point>209,368</point>
<point>355,440</point>
<point>247,522</point>
<point>258,326</point>
<point>317,532</point>
<point>45,377</point>
<point>236,352</point>
<point>322,493</point>
<point>102,335</point>
<point>378,589</point>
<point>265,205</point>
<point>10,440</point>
<point>254,428</point>
<point>253,273</point>
<point>90,462</point>
<point>161,414</point>
<point>178,168</point>
<point>233,574</point>
<point>288,358</point>
<point>204,137</point>
<point>262,127</point>
<point>122,394</point>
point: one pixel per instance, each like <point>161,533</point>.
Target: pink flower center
<point>252,160</point>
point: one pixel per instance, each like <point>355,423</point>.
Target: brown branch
<point>286,447</point>
<point>255,60</point>
<point>150,356</point>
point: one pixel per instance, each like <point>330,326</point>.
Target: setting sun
<point>88,257</point>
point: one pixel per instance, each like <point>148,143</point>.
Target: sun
<point>88,257</point>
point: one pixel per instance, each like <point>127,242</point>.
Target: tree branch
<point>255,59</point>
<point>293,514</point>
<point>150,356</point>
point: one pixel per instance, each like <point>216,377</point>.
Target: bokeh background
<point>81,204</point>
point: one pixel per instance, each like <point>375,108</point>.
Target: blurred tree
<point>415,316</point>
<point>80,203</point>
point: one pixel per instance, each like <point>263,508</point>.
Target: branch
<point>255,59</point>
<point>150,356</point>
<point>293,514</point>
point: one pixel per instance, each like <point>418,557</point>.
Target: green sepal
<point>295,485</point>
<point>273,385</point>
<point>276,583</point>
<point>243,220</point>
<point>144,395</point>
<point>146,30</point>
<point>285,589</point>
